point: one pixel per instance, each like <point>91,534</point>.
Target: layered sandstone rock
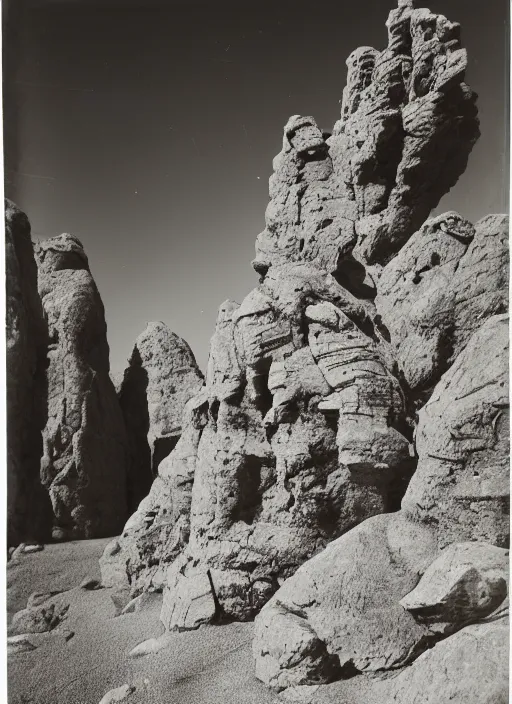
<point>162,375</point>
<point>360,599</point>
<point>307,445</point>
<point>28,509</point>
<point>85,451</point>
<point>159,530</point>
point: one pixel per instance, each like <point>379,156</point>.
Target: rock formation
<point>85,451</point>
<point>162,375</point>
<point>28,509</point>
<point>366,373</point>
<point>407,126</point>
<point>268,487</point>
<point>437,291</point>
<point>324,619</point>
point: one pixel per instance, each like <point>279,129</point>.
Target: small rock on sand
<point>90,583</point>
<point>118,695</point>
<point>19,644</point>
<point>147,647</point>
<point>138,603</point>
<point>32,548</point>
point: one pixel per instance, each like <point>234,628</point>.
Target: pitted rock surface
<point>441,287</point>
<point>85,455</point>
<point>356,363</point>
<point>462,440</point>
<point>159,530</point>
<point>366,582</point>
<point>277,476</point>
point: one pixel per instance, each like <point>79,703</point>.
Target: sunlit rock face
<point>408,123</point>
<point>85,449</point>
<point>452,528</point>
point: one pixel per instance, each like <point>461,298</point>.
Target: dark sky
<point>148,130</point>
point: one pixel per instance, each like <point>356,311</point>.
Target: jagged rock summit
<point>408,123</point>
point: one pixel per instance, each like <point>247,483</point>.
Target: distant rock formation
<point>28,508</point>
<point>162,375</point>
<point>85,454</point>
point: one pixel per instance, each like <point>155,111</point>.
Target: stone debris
<point>19,644</point>
<point>119,694</point>
<point>147,647</point>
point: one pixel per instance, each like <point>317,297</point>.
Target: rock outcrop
<point>162,375</point>
<point>468,668</point>
<point>343,470</point>
<point>367,582</point>
<point>85,453</point>
<point>407,126</point>
<point>159,530</point>
<point>28,507</point>
<point>447,279</point>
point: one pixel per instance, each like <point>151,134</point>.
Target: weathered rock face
<point>468,668</point>
<point>447,279</point>
<point>28,509</point>
<point>375,342</point>
<point>307,446</point>
<point>162,375</point>
<point>366,582</point>
<point>462,441</point>
<point>159,530</point>
<point>467,582</point>
<point>407,126</point>
<point>85,454</point>
<point>276,474</point>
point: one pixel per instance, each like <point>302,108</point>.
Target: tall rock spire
<point>85,454</point>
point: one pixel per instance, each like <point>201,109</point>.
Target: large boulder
<point>85,453</point>
<point>161,376</point>
<point>28,506</point>
<point>348,599</point>
<point>470,667</point>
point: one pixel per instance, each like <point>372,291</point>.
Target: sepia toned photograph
<point>257,351</point>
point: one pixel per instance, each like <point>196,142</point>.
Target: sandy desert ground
<point>212,664</point>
